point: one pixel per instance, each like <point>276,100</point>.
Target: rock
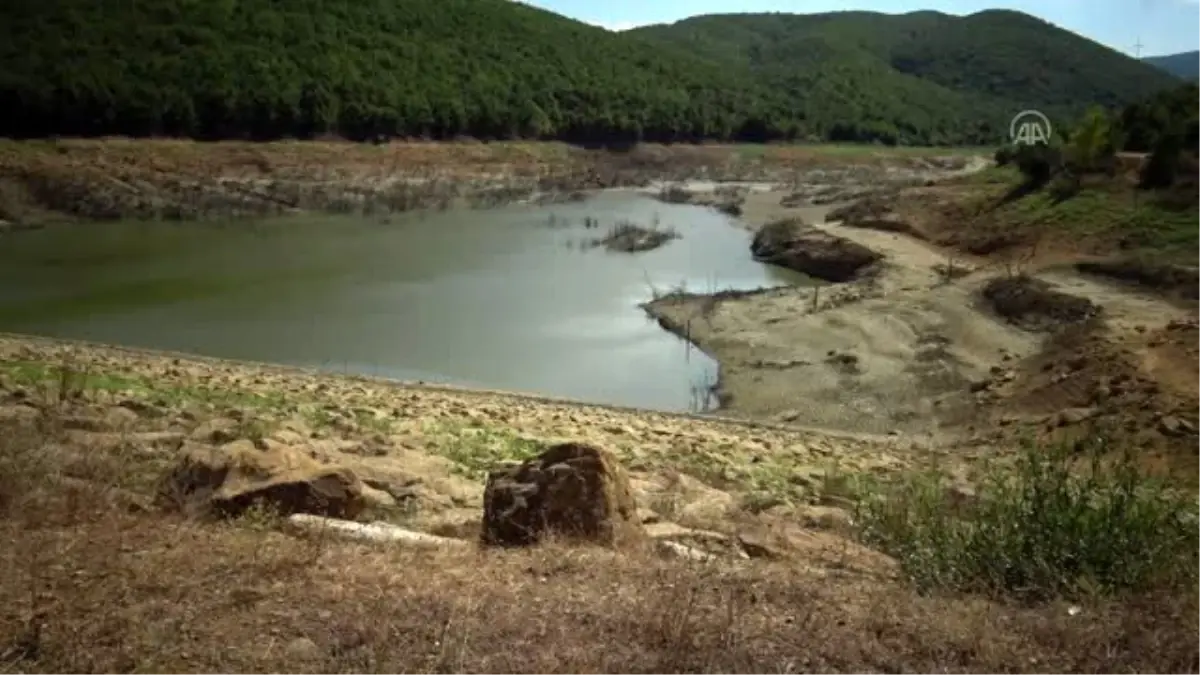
<point>119,417</point>
<point>1171,425</point>
<point>826,517</point>
<point>647,516</point>
<point>377,531</point>
<point>379,499</point>
<point>83,423</point>
<point>1074,416</point>
<point>141,408</point>
<point>217,430</point>
<point>757,547</point>
<point>789,243</point>
<point>573,490</point>
<point>19,413</point>
<point>676,550</point>
<point>302,649</point>
<point>289,437</point>
<point>229,479</point>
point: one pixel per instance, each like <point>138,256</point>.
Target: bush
<point>1092,143</point>
<point>1041,529</point>
<point>1162,166</point>
<point>1038,163</point>
<point>1004,155</point>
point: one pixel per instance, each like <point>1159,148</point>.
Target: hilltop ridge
<point>493,69</point>
<point>1185,65</point>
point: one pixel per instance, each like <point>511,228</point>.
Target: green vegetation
<point>1172,111</point>
<point>922,77</point>
<point>1077,185</point>
<point>476,449</point>
<point>499,69</point>
<point>1046,527</point>
<point>1089,208</point>
<point>67,380</point>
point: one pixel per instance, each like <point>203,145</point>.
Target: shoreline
<point>909,350</point>
<point>19,341</point>
<point>173,180</point>
<point>706,176</point>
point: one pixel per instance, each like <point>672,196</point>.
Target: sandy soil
<point>903,351</point>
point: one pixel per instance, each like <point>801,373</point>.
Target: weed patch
<point>1045,527</point>
<point>476,450</point>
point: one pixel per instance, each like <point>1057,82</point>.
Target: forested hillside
<point>1185,65</point>
<point>919,77</point>
<point>501,69</point>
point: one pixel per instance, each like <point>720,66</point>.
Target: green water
<point>506,298</point>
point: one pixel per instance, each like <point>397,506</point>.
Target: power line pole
<point>1137,48</point>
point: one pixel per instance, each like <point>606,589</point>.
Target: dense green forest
<point>1185,65</point>
<point>500,69</point>
<point>1175,111</point>
<point>923,76</point>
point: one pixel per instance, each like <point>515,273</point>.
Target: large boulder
<point>229,479</point>
<point>571,490</point>
<point>792,244</point>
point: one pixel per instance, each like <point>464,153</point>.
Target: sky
<point>1161,26</point>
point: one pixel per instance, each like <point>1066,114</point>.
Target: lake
<point>512,298</point>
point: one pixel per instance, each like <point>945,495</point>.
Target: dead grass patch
<point>95,583</point>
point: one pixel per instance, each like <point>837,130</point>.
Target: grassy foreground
<point>1036,569</point>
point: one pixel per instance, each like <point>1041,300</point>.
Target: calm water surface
<point>508,299</point>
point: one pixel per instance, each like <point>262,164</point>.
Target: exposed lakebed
<point>514,298</point>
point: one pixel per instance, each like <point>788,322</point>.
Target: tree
<point>1090,142</point>
<point>1162,166</point>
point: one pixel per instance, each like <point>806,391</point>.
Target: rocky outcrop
<point>229,479</point>
<point>572,490</point>
<point>792,244</point>
<point>1034,304</point>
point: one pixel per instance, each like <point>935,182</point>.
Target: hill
<point>1184,64</point>
<point>499,69</point>
<point>918,77</point>
<point>485,68</point>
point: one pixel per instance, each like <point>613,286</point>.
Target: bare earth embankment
<point>929,339</point>
<point>183,180</point>
<point>153,506</point>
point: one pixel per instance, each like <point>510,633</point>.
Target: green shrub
<point>1038,163</point>
<point>1162,167</point>
<point>1043,528</point>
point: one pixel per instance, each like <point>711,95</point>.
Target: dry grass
<point>96,582</point>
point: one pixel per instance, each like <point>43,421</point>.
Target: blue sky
<point>1162,26</point>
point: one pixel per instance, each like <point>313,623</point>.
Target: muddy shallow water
<point>511,298</point>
